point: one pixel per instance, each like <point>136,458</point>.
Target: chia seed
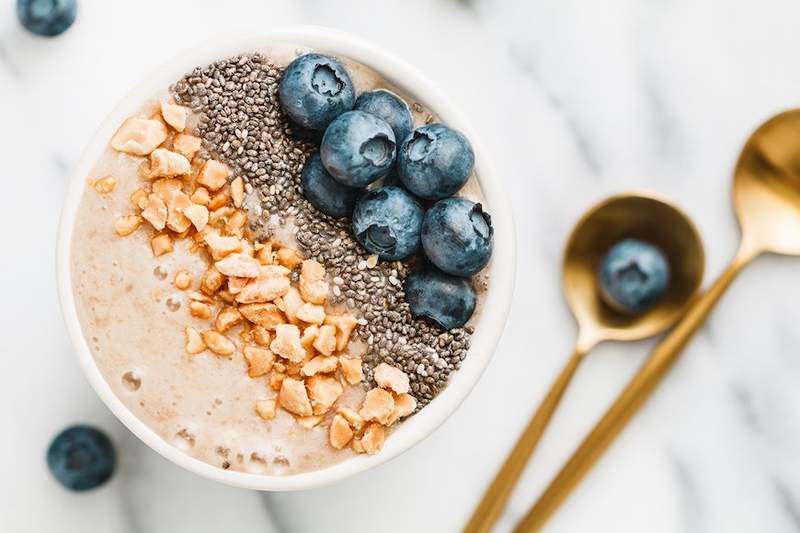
<point>242,124</point>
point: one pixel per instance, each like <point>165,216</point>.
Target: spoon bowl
<point>640,216</point>
<point>766,186</point>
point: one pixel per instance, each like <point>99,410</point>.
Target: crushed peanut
<point>127,224</point>
<point>174,115</point>
<point>391,378</point>
<point>259,361</point>
<point>161,244</point>
<point>105,184</point>
<point>182,280</point>
<point>194,342</point>
<point>139,136</point>
<point>266,409</point>
<point>218,343</point>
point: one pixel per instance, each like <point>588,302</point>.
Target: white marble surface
<point>576,99</point>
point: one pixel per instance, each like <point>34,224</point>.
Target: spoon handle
<point>495,497</point>
<point>630,400</point>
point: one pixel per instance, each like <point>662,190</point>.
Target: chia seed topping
<point>241,123</point>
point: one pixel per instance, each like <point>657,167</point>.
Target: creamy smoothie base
<point>134,317</point>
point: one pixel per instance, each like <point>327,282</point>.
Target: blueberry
<point>314,90</point>
<point>81,458</point>
<point>457,236</point>
<point>633,276</point>
<point>435,161</point>
<point>447,300</point>
<point>324,192</point>
<point>389,107</point>
<point>387,222</point>
<point>47,18</point>
<point>358,148</point>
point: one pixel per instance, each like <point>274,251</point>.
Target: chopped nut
<point>164,162</point>
<point>139,136</point>
<point>164,186</point>
<point>259,361</point>
<point>235,285</point>
<point>211,281</point>
<point>201,197</point>
<point>279,367</point>
<point>235,224</point>
<point>292,301</point>
<point>309,422</point>
<point>340,432</point>
<point>261,336</point>
<point>313,314</point>
<point>174,115</point>
<point>219,200</point>
<point>289,258</point>
<point>194,342</point>
<point>276,380</point>
<point>227,318</point>
<point>320,365</point>
<point>263,314</point>
<point>225,296</point>
<point>217,217</point>
<point>325,342</point>
<point>213,175</point>
<point>313,286</point>
<point>391,378</point>
<point>238,265</point>
<point>139,198</point>
<point>309,335</point>
<point>105,184</point>
<point>357,446</point>
<point>200,310</point>
<point>287,343</point>
<point>351,370</point>
<point>352,417</point>
<point>177,204</point>
<point>183,280</point>
<point>404,405</point>
<point>127,224</point>
<point>218,343</point>
<point>378,405</point>
<point>345,324</point>
<point>272,281</point>
<point>294,398</point>
<point>161,244</point>
<point>155,212</point>
<point>264,254</point>
<point>266,409</point>
<point>199,297</point>
<point>323,392</point>
<point>373,438</point>
<point>237,191</point>
<point>220,246</point>
<point>198,215</point>
<point>186,145</point>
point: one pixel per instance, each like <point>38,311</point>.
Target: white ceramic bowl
<point>495,308</point>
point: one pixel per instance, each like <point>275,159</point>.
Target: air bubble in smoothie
<point>132,380</point>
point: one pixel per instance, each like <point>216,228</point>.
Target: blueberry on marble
<point>324,192</point>
<point>47,18</point>
<point>81,458</point>
<point>447,300</point>
<point>435,161</point>
<point>391,108</point>
<point>634,275</point>
<point>387,221</point>
<point>314,90</point>
<point>358,148</point>
<point>457,236</point>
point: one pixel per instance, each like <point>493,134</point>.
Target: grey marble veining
<point>575,100</point>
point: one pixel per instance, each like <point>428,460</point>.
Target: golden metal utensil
<point>766,194</point>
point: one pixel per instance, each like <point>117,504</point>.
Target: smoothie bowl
<point>277,262</point>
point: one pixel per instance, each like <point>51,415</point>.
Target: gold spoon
<point>641,216</point>
<point>766,195</point>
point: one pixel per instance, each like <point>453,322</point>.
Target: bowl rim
<point>495,306</point>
